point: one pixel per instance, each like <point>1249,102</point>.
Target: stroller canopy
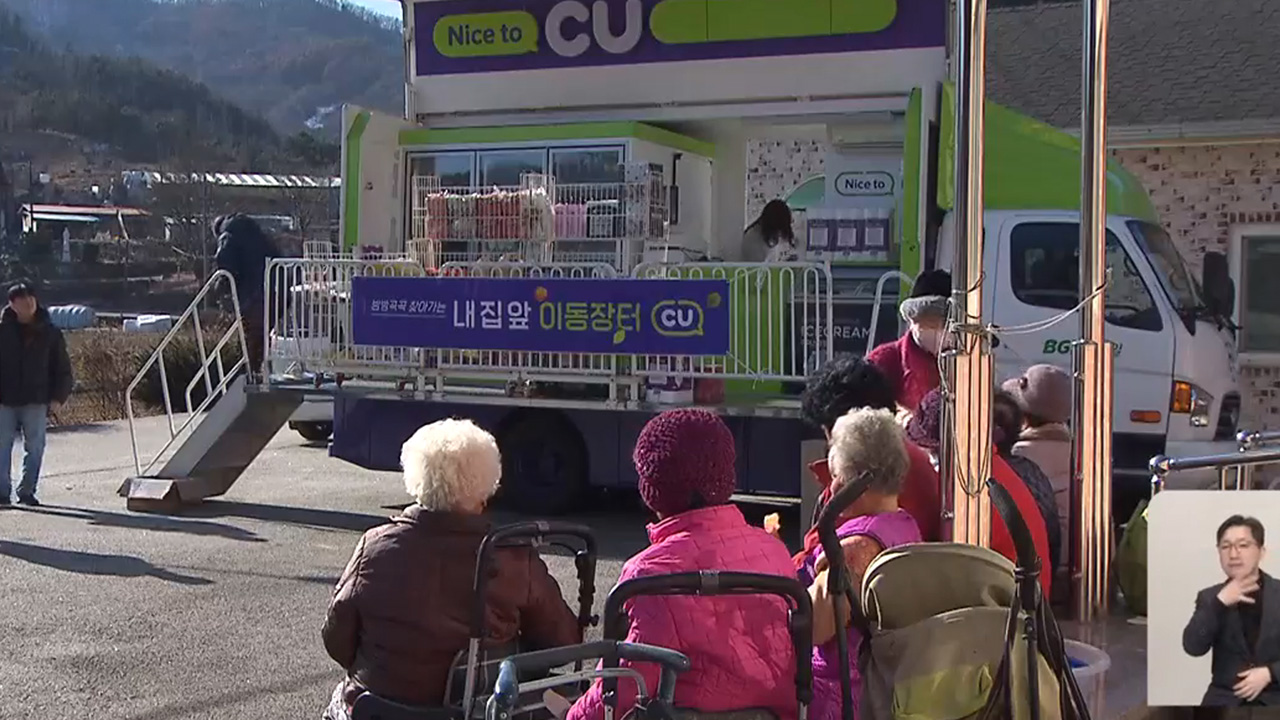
<point>911,583</point>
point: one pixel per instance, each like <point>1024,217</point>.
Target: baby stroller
<point>660,704</point>
<point>948,628</point>
<point>477,666</point>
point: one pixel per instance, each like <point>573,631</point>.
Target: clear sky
<point>385,7</point>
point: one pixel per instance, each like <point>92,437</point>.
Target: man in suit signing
<point>1239,620</point>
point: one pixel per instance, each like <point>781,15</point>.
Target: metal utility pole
<point>408,30</point>
<point>1091,411</point>
<point>967,416</point>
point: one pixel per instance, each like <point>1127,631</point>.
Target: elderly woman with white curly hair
<point>863,442</point>
<point>400,612</point>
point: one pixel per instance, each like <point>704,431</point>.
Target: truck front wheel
<point>544,463</point>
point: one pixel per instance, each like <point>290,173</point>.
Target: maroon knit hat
<point>684,454</point>
<point>925,426</point>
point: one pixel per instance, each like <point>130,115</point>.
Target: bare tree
<point>186,200</point>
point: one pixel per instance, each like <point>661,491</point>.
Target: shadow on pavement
<point>241,695</point>
<point>81,428</point>
<point>159,523</point>
<point>307,517</point>
<point>85,563</point>
<point>327,580</point>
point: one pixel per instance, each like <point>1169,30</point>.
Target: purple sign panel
<point>622,317</point>
<point>476,36</point>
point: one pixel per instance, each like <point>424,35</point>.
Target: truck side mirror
<point>1219,288</point>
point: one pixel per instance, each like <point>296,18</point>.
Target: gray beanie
<point>1043,391</point>
<point>930,295</point>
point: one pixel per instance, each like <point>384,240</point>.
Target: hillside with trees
<point>294,61</point>
<point>140,112</point>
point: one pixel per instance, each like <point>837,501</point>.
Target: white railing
<point>780,315</point>
<point>308,316</point>
<point>528,270</point>
<point>210,362</point>
<point>780,325</point>
<point>875,309</point>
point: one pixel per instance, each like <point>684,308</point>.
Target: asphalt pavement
<point>215,613</point>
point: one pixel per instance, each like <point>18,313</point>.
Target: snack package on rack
<point>438,216</point>
<point>571,221</point>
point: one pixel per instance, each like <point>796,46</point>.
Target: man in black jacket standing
<point>35,378</point>
<point>244,249</point>
<point>1239,620</point>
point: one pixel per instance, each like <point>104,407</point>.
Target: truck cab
<point>1176,385</point>
<point>1176,379</point>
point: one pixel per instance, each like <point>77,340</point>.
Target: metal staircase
<point>212,442</point>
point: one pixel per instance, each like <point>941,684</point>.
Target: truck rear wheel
<point>544,463</point>
<point>314,431</point>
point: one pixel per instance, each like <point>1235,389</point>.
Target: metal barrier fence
<point>1255,448</point>
<point>781,321</point>
<point>780,331</point>
<point>307,317</point>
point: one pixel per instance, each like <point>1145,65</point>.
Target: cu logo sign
<point>567,40</point>
<point>678,318</point>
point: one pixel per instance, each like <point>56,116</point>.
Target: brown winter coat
<point>400,612</point>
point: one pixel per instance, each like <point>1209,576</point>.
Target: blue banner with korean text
<point>621,316</point>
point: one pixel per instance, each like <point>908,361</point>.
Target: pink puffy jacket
<point>739,645</point>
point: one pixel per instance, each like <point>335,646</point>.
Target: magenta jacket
<point>911,370</point>
<point>739,645</point>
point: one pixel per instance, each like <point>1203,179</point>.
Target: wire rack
<point>539,221</point>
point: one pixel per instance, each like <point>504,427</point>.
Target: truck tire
<point>544,463</point>
<point>314,431</point>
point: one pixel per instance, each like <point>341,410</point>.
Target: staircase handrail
<point>875,309</point>
<point>157,359</point>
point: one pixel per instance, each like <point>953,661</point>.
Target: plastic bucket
<point>1089,664</point>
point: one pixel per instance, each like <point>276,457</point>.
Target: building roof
<point>94,211</point>
<point>1170,62</point>
<point>64,217</point>
<point>245,180</point>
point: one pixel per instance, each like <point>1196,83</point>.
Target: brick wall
<point>1200,192</point>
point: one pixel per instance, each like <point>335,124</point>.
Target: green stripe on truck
<point>351,182</point>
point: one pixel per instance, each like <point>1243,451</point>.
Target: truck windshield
<point>1175,278</point>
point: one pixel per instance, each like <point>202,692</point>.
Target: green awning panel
<point>809,194</point>
<point>1029,166</point>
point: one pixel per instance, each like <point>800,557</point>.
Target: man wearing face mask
<point>1236,621</point>
<point>911,362</point>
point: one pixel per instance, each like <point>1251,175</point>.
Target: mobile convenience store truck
<point>551,243</point>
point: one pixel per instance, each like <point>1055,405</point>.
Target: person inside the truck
<point>770,238</point>
<point>911,362</point>
<point>927,420</point>
<point>1044,394</point>
<point>739,645</point>
<point>863,441</point>
<point>1007,420</point>
<point>400,613</point>
<point>847,383</point>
